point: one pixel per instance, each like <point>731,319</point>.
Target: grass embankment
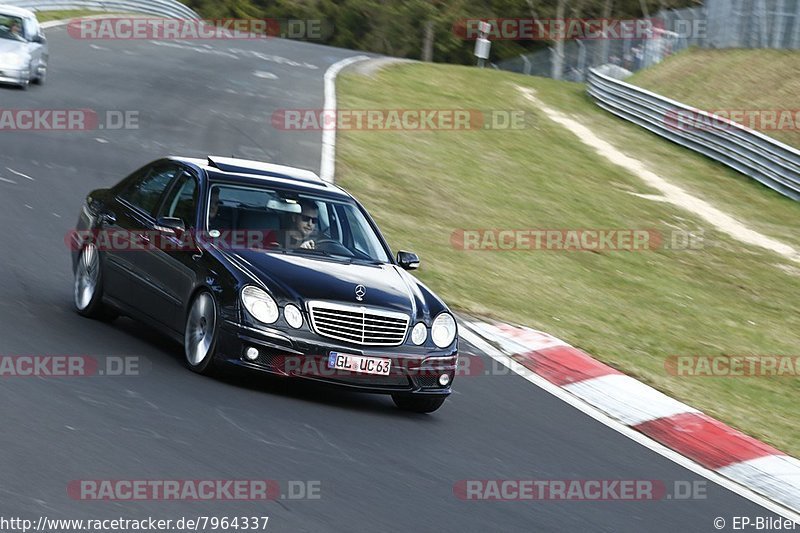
<point>761,81</point>
<point>630,309</point>
<point>46,16</point>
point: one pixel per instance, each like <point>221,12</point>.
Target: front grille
<point>358,325</point>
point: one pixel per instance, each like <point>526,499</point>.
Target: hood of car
<point>12,46</point>
<point>302,278</point>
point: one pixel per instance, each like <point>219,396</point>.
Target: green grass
<point>731,79</point>
<point>630,309</point>
<point>46,16</point>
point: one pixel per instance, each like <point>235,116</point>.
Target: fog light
<point>252,354</point>
<point>444,380</point>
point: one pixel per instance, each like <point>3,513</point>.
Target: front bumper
<point>14,76</point>
<point>414,370</point>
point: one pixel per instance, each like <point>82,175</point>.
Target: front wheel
<point>88,285</point>
<point>418,404</point>
<point>41,75</point>
<point>200,337</point>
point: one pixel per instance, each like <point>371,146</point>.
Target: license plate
<point>359,363</point>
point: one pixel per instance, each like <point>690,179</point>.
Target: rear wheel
<point>418,404</point>
<point>200,337</point>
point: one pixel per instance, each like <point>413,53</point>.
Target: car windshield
<point>11,28</point>
<point>287,222</point>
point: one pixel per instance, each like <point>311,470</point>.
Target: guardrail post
<point>527,62</point>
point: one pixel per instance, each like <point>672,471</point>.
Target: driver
<point>16,30</point>
<point>303,226</point>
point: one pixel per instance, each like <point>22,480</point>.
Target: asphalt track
<point>380,469</point>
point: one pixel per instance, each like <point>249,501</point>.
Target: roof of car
<point>15,11</point>
<point>260,173</point>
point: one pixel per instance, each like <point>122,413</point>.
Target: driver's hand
<point>308,245</point>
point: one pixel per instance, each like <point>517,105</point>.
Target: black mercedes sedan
<point>266,267</point>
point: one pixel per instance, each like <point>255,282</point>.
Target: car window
<point>358,235</point>
<point>181,202</point>
<point>146,190</point>
<point>298,223</point>
<point>11,28</point>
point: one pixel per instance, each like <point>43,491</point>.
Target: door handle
<point>142,239</point>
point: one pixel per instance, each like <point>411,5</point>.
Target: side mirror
<point>407,260</point>
<point>171,226</point>
<point>38,39</point>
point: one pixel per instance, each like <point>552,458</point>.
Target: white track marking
<point>637,437</point>
<point>20,174</point>
<point>8,181</point>
<point>328,162</point>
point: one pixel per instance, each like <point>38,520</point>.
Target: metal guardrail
<point>161,8</point>
<point>772,163</point>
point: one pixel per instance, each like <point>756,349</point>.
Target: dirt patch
<point>671,192</point>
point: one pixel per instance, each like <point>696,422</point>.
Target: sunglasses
<point>307,219</point>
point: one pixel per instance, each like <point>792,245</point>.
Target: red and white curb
<point>694,435</point>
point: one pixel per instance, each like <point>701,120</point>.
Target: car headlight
<point>260,304</point>
<point>293,316</point>
<point>419,334</point>
<point>443,331</point>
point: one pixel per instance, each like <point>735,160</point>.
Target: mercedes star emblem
<point>361,291</point>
